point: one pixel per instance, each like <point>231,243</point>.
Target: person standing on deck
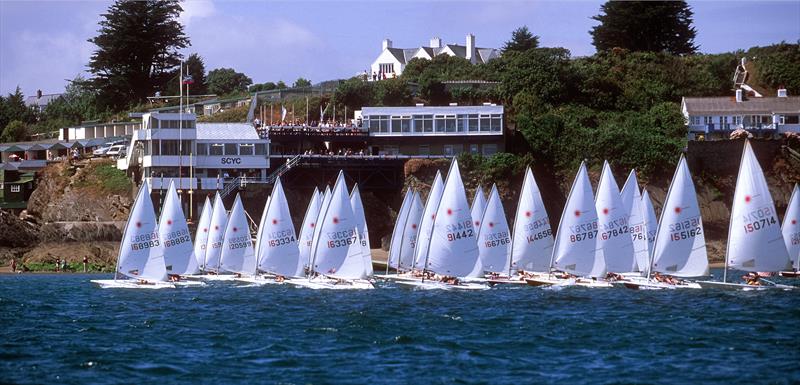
<point>13,265</point>
<point>58,264</point>
<point>85,263</point>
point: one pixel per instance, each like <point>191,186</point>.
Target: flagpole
<point>180,134</point>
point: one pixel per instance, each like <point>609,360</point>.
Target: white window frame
<point>15,188</point>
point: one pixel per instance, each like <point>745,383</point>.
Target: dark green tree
<point>196,68</point>
<point>521,40</point>
<point>137,50</point>
<point>354,93</point>
<point>393,92</point>
<point>302,82</point>
<point>13,132</point>
<point>653,26</point>
<point>76,104</point>
<point>224,81</point>
<point>12,107</point>
<point>262,87</point>
<point>280,85</point>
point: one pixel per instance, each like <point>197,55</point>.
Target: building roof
<point>226,131</point>
<point>413,110</point>
<point>728,105</point>
<point>31,101</point>
<point>404,55</point>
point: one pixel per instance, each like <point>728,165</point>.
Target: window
<point>781,119</point>
<point>485,122</point>
<point>792,119</point>
<point>391,150</point>
<point>448,150</point>
<point>472,122</point>
<point>15,188</point>
<point>497,122</point>
<point>445,123</point>
<point>737,120</point>
<point>423,123</point>
<point>378,123</point>
<point>401,124</point>
<point>489,149</point>
<point>386,67</point>
<point>723,120</point>
<point>216,149</point>
<point>246,149</point>
<point>261,149</point>
<point>230,149</point>
<point>424,149</point>
<point>202,149</point>
<point>473,149</point>
<point>696,120</point>
<point>169,147</point>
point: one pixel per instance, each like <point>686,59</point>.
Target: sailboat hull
<point>652,285</point>
<point>552,281</point>
<point>215,277</point>
<point>790,274</point>
<point>260,280</point>
<point>740,286</point>
<point>438,285</point>
<point>130,284</point>
<point>333,284</point>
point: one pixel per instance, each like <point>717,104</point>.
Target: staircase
<point>283,169</point>
<point>242,181</point>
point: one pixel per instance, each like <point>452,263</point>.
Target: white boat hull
<point>740,286</point>
<point>260,280</point>
<point>418,284</point>
<point>332,284</point>
<point>130,284</point>
<point>653,285</point>
<point>215,277</point>
<point>188,283</point>
<point>553,281</point>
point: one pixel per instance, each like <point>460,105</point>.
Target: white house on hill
<point>392,61</point>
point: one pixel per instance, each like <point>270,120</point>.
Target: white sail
<point>426,223</point>
<point>632,201</point>
<point>494,236</point>
<point>532,244</point>
<point>395,245</point>
<point>478,206</point>
<point>476,211</point>
<point>216,234</point>
<point>307,232</point>
<point>336,251</point>
<point>680,245</point>
<point>575,248</point>
<point>141,253</point>
<point>791,228</point>
<point>409,245</point>
<point>363,229</point>
<point>277,250</point>
<point>174,234</point>
<point>453,249</point>
<point>201,236</point>
<point>651,226</point>
<point>755,242</point>
<point>613,239</point>
<point>238,255</point>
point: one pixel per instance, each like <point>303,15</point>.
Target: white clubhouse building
<point>211,152</point>
<point>392,61</point>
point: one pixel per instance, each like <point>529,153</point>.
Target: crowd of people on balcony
<point>299,126</point>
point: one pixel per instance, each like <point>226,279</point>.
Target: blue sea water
<point>61,329</point>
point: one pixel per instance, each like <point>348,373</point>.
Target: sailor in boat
<point>174,277</point>
<point>614,277</point>
<point>752,279</point>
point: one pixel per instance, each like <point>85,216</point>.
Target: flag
<point>321,114</point>
<point>188,80</point>
<point>283,113</point>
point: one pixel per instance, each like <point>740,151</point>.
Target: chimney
<point>386,44</point>
<point>436,42</point>
<point>38,94</point>
<point>782,92</point>
<point>739,95</point>
<point>471,48</point>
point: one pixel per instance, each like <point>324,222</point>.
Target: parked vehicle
<point>116,150</point>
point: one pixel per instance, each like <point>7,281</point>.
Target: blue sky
<point>42,43</point>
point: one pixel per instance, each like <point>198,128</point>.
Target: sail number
<point>240,242</point>
<point>583,236</point>
<point>174,238</point>
<point>460,230</point>
<point>686,234</point>
<point>145,241</point>
<point>540,235</point>
<point>795,238</point>
<point>281,241</point>
<point>496,239</point>
<point>759,224</point>
<point>637,232</point>
<point>605,235</point>
<point>332,244</point>
<point>469,233</point>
